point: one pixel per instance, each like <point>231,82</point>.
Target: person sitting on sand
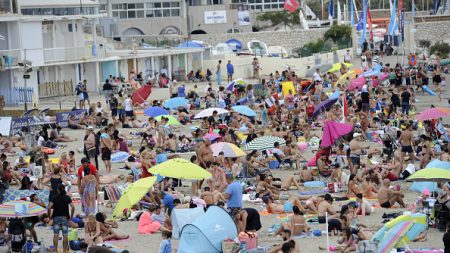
<point>57,136</point>
<point>264,187</point>
<point>287,207</point>
<point>347,241</point>
<point>392,171</point>
<point>305,175</point>
<point>368,188</point>
<point>147,225</point>
<point>92,231</point>
<point>313,203</point>
<point>247,219</point>
<point>325,206</point>
<point>296,223</point>
<point>387,197</point>
<point>364,207</point>
<point>107,232</point>
<point>353,188</point>
<point>211,198</point>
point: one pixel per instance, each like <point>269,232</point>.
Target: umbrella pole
<point>328,239</point>
<point>406,245</point>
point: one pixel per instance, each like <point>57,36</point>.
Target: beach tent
<point>277,51</point>
<point>221,49</point>
<point>206,233</point>
<point>190,44</point>
<point>181,217</point>
<point>234,44</point>
<point>431,186</point>
<point>257,47</point>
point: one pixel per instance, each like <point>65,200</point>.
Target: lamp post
<point>26,69</point>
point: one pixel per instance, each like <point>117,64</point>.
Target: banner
<point>5,125</point>
<point>291,5</point>
<point>62,118</point>
<point>19,123</point>
<point>352,18</point>
<point>402,25</point>
<point>215,17</point>
<point>364,21</point>
<point>393,18</point>
<point>244,18</point>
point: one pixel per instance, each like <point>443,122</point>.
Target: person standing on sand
<point>105,148</point>
<point>256,68</point>
<point>58,210</point>
<point>219,73</point>
<point>230,71</point>
<point>406,141</point>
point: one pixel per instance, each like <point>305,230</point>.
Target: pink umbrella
<point>332,131</point>
<point>358,82</point>
<point>211,136</point>
<point>312,162</point>
<point>433,113</point>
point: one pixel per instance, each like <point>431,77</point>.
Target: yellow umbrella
<point>180,168</point>
<point>172,120</point>
<point>337,66</point>
<point>228,149</point>
<point>133,194</point>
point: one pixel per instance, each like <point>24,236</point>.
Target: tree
<point>440,49</point>
<point>338,32</point>
<point>279,17</point>
<point>424,43</point>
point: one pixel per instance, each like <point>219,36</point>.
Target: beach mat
<point>312,192</point>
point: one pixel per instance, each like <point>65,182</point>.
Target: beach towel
<point>147,225</point>
<point>313,192</point>
<point>15,194</point>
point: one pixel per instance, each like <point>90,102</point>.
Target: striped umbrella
<point>20,209</point>
<point>228,149</point>
<point>264,143</point>
<point>394,236</point>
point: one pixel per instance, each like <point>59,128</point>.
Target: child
<point>166,244</point>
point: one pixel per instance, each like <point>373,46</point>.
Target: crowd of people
<point>379,113</point>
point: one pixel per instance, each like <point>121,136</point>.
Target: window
<point>131,14</point>
<point>140,14</point>
<point>195,2</point>
<point>175,12</point>
<point>158,13</point>
<point>175,4</point>
<point>123,14</point>
<point>215,2</point>
<point>149,14</point>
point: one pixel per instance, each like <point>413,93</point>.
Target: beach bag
<point>73,235</point>
<point>250,239</point>
<point>230,247</point>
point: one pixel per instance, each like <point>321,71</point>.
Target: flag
<point>436,6</point>
<point>400,7</point>
<point>339,18</point>
<point>291,5</point>
<point>331,12</point>
<point>369,17</point>
<point>392,19</point>
<point>413,9</point>
<point>359,26</point>
<point>345,106</point>
<point>352,14</point>
<point>364,22</point>
<point>402,25</point>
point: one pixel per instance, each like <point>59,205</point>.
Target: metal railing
<point>11,57</point>
<point>17,95</point>
<point>65,54</point>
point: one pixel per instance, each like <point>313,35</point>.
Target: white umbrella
<point>208,112</point>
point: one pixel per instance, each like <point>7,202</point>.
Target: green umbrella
<point>430,175</point>
<point>172,120</point>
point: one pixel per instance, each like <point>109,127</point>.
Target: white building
<point>59,50</point>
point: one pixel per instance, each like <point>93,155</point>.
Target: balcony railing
<point>52,55</point>
<point>11,57</point>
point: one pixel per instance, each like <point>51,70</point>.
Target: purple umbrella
<point>323,106</point>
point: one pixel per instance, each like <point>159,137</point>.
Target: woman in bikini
<point>92,232</point>
<point>368,189</point>
<point>287,207</point>
<point>353,188</point>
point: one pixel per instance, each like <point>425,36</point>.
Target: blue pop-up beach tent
<point>183,216</point>
<point>206,233</point>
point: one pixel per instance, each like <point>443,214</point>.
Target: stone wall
<point>287,39</point>
<point>432,31</point>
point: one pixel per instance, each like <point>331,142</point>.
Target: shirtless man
<point>388,197</point>
<point>171,144</point>
<point>324,207</point>
<point>322,165</point>
<point>204,154</point>
<point>89,144</point>
<point>356,151</point>
<point>392,171</point>
<point>406,141</point>
<point>211,198</point>
<point>105,148</point>
<point>368,189</point>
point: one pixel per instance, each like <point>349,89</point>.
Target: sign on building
<point>215,17</point>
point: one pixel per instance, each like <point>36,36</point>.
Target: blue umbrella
<point>323,106</point>
<point>176,102</point>
<point>244,110</point>
<point>335,95</point>
<point>189,44</point>
<point>155,111</point>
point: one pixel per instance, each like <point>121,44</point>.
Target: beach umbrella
<point>322,68</point>
<point>155,111</point>
<point>175,102</point>
<point>235,82</point>
<point>332,131</point>
<point>395,236</point>
<point>433,113</point>
<point>244,110</point>
<point>337,66</point>
<point>264,143</point>
<point>383,76</point>
<point>430,185</point>
<point>430,174</point>
<point>133,194</point>
<point>373,72</point>
<point>209,112</point>
<point>322,106</point>
<point>399,231</point>
<point>228,149</point>
<point>211,136</point>
<point>172,120</point>
<point>20,209</point>
<point>181,169</point>
<point>357,83</point>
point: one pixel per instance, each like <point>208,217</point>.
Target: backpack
<point>16,230</point>
<point>78,89</point>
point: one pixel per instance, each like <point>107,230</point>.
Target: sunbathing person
<point>325,206</point>
<point>149,226</point>
<point>313,203</point>
<point>6,146</point>
<point>296,224</point>
<point>264,187</point>
<point>305,175</point>
<point>287,207</point>
<point>106,228</point>
<point>353,188</point>
<point>387,197</point>
<point>57,136</point>
<point>368,188</point>
<point>211,198</point>
<point>392,171</point>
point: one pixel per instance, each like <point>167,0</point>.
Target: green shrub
<point>338,32</point>
<point>424,43</point>
<point>440,49</point>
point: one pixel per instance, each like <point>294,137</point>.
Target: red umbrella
<point>332,131</point>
